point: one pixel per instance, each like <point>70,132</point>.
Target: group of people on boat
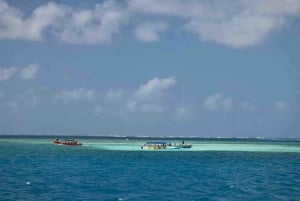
<point>164,145</point>
<point>66,142</point>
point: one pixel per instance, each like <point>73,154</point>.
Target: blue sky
<point>153,68</point>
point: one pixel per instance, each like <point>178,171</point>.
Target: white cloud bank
<point>217,102</point>
<point>238,24</point>
<point>15,26</point>
<point>91,26</point>
<point>70,25</point>
<point>26,73</point>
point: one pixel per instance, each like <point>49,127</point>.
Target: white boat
<point>156,145</point>
<point>164,145</point>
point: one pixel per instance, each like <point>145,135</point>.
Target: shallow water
<point>206,144</point>
<point>35,169</point>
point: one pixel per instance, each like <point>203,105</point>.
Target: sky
<point>150,68</point>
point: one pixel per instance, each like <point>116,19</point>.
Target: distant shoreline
<point>145,137</point>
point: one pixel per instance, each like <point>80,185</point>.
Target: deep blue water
<point>48,172</point>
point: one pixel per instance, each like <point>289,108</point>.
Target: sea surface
<point>104,168</point>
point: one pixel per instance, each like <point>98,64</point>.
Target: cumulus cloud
<point>13,24</point>
<point>92,26</point>
<point>148,31</point>
<point>29,72</point>
<point>242,23</point>
<point>217,102</point>
<point>76,26</point>
<point>153,88</point>
<point>75,95</point>
<point>280,105</point>
<point>148,97</point>
<point>25,73</point>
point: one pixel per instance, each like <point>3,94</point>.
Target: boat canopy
<point>157,143</point>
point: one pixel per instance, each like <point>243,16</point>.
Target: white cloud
<point>25,73</point>
<point>148,31</point>
<point>74,95</point>
<point>76,26</point>
<point>7,73</point>
<point>280,105</point>
<point>247,106</point>
<point>186,9</point>
<point>14,26</point>
<point>240,31</point>
<point>114,95</point>
<point>217,102</point>
<point>241,23</point>
<point>148,97</point>
<point>153,88</point>
<point>93,26</point>
<point>29,72</point>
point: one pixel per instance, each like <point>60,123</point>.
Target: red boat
<point>66,142</point>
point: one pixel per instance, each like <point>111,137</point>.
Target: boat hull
<point>67,143</point>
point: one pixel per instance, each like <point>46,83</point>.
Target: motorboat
<point>156,145</point>
<point>66,142</point>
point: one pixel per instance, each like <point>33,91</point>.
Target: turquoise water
<point>116,169</point>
